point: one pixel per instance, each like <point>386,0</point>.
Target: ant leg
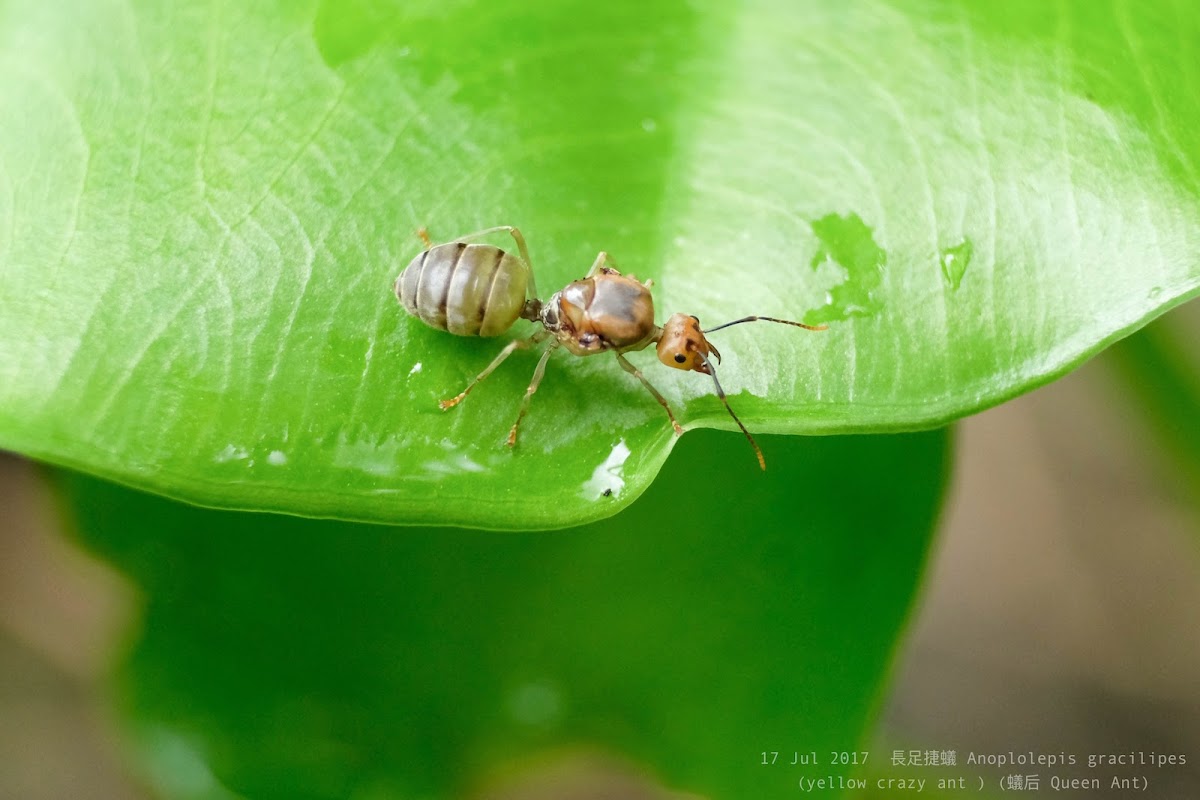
<point>516,234</point>
<point>637,373</point>
<point>601,264</point>
<point>531,287</point>
<point>423,232</point>
<point>515,344</point>
<point>533,387</point>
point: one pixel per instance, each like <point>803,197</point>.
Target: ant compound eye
<point>680,358</point>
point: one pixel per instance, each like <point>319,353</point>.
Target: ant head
<point>682,345</point>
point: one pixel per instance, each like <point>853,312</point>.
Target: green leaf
<point>203,207</point>
<point>719,617</point>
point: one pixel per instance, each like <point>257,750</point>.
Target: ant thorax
<point>608,311</point>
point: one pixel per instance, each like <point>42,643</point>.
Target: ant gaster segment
<point>480,290</point>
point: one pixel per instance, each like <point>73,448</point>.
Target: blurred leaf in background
<point>723,615</point>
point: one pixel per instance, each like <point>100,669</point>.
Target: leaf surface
<point>203,207</point>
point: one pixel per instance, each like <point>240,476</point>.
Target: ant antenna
<point>721,394</point>
<point>768,319</point>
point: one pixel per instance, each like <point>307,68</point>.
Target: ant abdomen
<point>466,289</point>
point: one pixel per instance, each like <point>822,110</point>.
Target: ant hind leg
<point>522,249</point>
<point>515,344</point>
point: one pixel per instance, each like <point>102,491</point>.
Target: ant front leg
<point>515,344</point>
<point>662,401</point>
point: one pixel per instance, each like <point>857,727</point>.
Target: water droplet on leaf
<point>955,260</point>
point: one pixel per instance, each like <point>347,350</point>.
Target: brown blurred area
<point>63,619</point>
<point>1062,606</point>
<point>1062,610</point>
